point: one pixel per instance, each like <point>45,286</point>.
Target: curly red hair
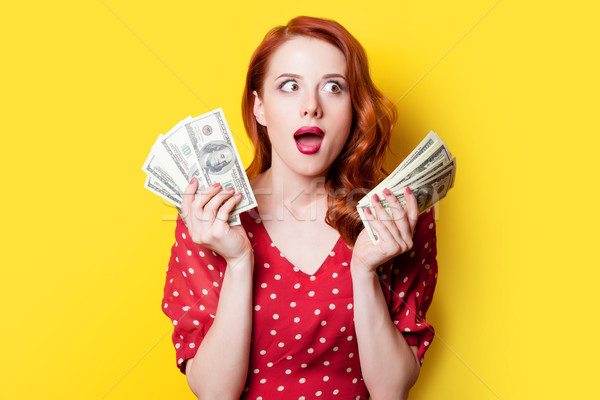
<point>359,166</point>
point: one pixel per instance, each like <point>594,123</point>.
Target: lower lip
<point>308,149</point>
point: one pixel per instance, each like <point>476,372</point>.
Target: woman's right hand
<point>206,215</point>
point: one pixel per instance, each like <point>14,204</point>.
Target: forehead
<point>305,56</point>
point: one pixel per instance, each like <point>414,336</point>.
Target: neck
<point>283,193</point>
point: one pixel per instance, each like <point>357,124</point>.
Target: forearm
<point>220,366</point>
<point>388,365</point>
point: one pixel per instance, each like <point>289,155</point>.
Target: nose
<point>312,106</point>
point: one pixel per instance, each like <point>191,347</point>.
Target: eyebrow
<point>326,76</point>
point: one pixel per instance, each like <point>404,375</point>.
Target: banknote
<point>429,171</point>
<point>200,147</point>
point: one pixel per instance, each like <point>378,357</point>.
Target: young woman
<point>297,302</point>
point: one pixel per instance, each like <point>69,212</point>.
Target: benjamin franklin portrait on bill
<point>217,157</point>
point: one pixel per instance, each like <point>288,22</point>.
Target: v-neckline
<point>296,269</point>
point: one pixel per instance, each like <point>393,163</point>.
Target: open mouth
<point>308,139</point>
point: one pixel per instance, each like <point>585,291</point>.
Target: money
<point>200,147</point>
<point>429,172</point>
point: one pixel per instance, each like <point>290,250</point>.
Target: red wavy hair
<point>359,166</point>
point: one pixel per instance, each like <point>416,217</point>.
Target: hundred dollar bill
<point>217,157</point>
<point>157,187</point>
<point>160,165</point>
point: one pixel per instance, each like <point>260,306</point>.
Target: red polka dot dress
<point>303,339</point>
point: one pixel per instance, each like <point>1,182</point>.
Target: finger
<point>227,207</point>
<point>385,218</point>
<point>400,217</point>
<point>379,228</point>
<point>412,208</point>
<point>188,197</point>
<point>206,195</point>
<point>212,207</point>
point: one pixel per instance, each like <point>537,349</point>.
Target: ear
<point>259,112</point>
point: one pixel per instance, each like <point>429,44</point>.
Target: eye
<point>333,87</point>
<point>289,86</point>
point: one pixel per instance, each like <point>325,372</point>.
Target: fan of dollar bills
<point>428,171</point>
<point>200,147</point>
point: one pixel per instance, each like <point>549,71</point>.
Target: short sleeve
<point>413,280</point>
<point>191,293</point>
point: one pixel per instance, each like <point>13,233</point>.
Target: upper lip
<point>309,129</point>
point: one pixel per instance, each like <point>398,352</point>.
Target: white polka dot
<point>335,291</point>
<point>310,350</point>
<point>317,311</point>
<point>302,380</point>
<point>216,284</point>
<point>257,308</point>
<point>288,358</point>
<point>405,279</point>
<point>406,329</point>
<point>272,244</point>
<point>273,295</point>
<point>296,286</point>
<point>201,307</point>
<point>175,322</point>
<point>336,348</point>
<point>401,294</point>
<point>263,380</point>
<point>296,269</point>
<point>250,235</point>
<point>332,306</point>
<point>191,270</point>
<point>301,398</point>
<point>263,285</point>
<point>426,245</point>
<point>189,252</point>
<point>312,277</point>
<point>311,293</point>
<point>275,316</point>
<point>166,305</point>
<point>273,332</point>
<point>267,265</point>
<point>201,253</point>
<point>183,235</point>
<point>180,361</point>
<point>281,344</point>
<point>204,292</point>
<point>325,363</point>
<point>288,371</point>
<point>332,253</point>
<point>191,293</point>
<point>176,259</point>
<point>348,369</point>
<point>209,266</point>
<point>318,393</point>
<point>257,220</point>
<point>178,345</point>
<point>263,352</point>
<point>421,360</point>
<point>336,391</point>
<point>281,255</point>
<point>322,340</point>
<point>350,306</point>
<point>424,284</point>
<point>196,323</point>
<point>269,364</point>
<point>407,312</point>
<point>256,371</point>
<point>304,365</point>
<point>354,381</point>
<point>293,304</point>
<point>175,293</point>
<point>277,277</point>
<point>345,264</point>
<point>184,274</point>
<point>349,338</point>
<point>335,275</point>
<point>350,355</point>
<point>298,336</point>
<point>343,329</point>
<point>323,323</point>
<point>296,320</point>
<point>417,294</point>
<point>192,345</point>
<point>185,308</point>
<point>426,343</point>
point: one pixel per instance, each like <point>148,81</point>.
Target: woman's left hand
<point>395,232</point>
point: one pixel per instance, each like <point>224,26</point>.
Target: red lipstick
<point>308,139</point>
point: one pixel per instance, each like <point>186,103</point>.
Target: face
<point>305,105</point>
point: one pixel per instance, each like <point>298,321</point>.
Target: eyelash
<point>328,82</point>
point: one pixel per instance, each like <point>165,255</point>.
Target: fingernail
<point>238,194</point>
<point>375,198</point>
<point>193,180</point>
<point>387,192</point>
<point>368,211</point>
<point>216,184</point>
<point>408,190</point>
<point>229,189</point>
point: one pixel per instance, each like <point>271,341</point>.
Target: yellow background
<point>511,86</point>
